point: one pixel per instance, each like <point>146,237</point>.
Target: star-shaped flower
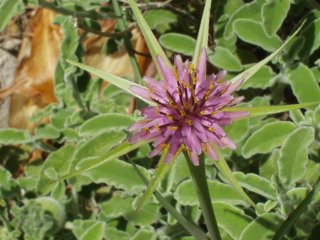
<point>188,110</point>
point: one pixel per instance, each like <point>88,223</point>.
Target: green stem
<point>198,174</point>
<point>190,227</point>
<point>64,11</point>
<point>127,42</point>
<point>4,220</point>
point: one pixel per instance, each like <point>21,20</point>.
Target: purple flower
<point>187,113</point>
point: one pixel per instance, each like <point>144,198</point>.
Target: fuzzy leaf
<point>111,173</point>
<point>304,84</point>
<point>273,14</point>
<point>251,71</point>
<point>178,43</point>
<point>262,79</point>
<point>185,193</point>
<point>294,155</point>
<point>254,33</point>
<point>8,9</point>
<point>257,184</point>
<point>14,136</point>
<point>105,123</point>
<point>267,138</point>
<point>224,59</point>
<point>118,151</point>
<point>263,226</point>
<point>231,219</point>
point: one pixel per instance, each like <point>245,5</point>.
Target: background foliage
<point>276,161</point>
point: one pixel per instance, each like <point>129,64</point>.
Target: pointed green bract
<point>223,167</point>
<point>266,110</point>
<point>244,76</point>
<point>160,173</point>
<point>117,81</point>
<point>202,39</point>
<point>153,44</point>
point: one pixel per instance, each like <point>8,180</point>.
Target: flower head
<point>188,112</point>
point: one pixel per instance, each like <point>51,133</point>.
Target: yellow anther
<point>189,122</point>
<point>191,68</point>
<point>157,127</point>
<point>211,129</point>
<point>202,112</point>
<point>169,117</point>
<point>175,72</point>
<point>205,148</point>
<point>211,86</point>
<point>146,129</point>
<point>172,128</point>
<point>194,79</point>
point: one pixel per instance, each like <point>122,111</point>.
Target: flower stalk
<point>201,185</point>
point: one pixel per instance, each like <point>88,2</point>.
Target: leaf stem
<point>200,182</point>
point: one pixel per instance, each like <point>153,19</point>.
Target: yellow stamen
<point>157,127</point>
<point>172,128</point>
<point>169,117</point>
<point>189,122</point>
<point>146,129</point>
<point>211,129</point>
<point>191,68</point>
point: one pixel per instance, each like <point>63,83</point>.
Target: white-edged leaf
<point>248,73</point>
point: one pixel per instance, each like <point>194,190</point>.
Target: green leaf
<point>295,214</point>
<point>265,139</point>
<point>225,59</point>
<point>144,234</point>
<point>158,17</point>
<point>311,36</point>
<point>178,43</point>
<point>263,227</point>
<point>8,9</point>
<point>294,155</point>
<point>247,11</point>
<point>94,232</point>
<point>117,81</point>
<point>273,14</point>
<point>46,131</point>
<point>160,173</point>
<point>185,193</point>
<point>253,32</point>
<point>105,123</point>
<point>251,71</point>
<point>96,147</point>
<point>256,184</point>
<point>267,110</point>
<point>262,79</point>
<point>270,167</point>
<point>118,151</point>
<point>14,136</point>
<point>223,167</point>
<point>59,162</point>
<point>231,219</point>
<point>202,39</point>
<point>111,173</point>
<point>304,84</point>
<point>153,45</point>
